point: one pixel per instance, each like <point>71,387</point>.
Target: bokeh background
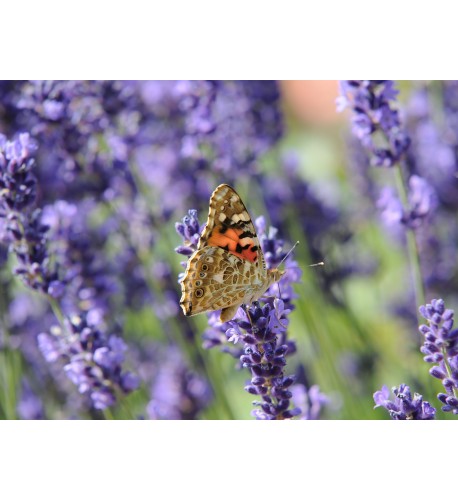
<point>95,176</point>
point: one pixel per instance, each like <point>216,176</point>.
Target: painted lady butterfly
<point>228,268</point>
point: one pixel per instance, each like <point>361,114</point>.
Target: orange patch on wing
<point>230,239</point>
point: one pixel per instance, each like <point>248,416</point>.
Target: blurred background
<point>95,176</point>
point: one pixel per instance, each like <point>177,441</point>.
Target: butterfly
<point>228,268</point>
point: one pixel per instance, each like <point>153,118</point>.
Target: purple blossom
<point>92,361</point>
<point>264,353</point>
<point>100,138</point>
<point>310,401</point>
<point>177,392</point>
<point>375,121</point>
<point>103,148</point>
<point>30,406</point>
<point>87,280</point>
<point>404,406</point>
<point>390,206</point>
<point>441,349</point>
<point>433,153</point>
<point>24,232</point>
<point>17,182</point>
<point>422,202</point>
<point>189,229</point>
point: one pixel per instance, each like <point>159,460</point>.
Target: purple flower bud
<point>129,382</point>
<point>184,250</point>
<point>448,383</point>
<point>436,372</point>
<point>291,413</point>
<point>102,399</point>
<point>56,289</point>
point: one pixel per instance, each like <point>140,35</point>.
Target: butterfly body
<point>228,268</point>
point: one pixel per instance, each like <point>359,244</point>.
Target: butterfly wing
<point>229,227</point>
<point>215,279</point>
<point>228,263</point>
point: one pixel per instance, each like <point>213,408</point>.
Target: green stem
<point>412,246</point>
<point>57,312</point>
<point>10,363</point>
<point>107,414</point>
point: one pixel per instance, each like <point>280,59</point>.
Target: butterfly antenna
<point>287,255</point>
<point>317,264</point>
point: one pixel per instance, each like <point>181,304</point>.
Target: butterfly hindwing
<point>214,280</point>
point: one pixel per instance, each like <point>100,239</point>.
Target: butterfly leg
<point>228,313</point>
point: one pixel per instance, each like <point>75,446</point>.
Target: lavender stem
<point>412,247</point>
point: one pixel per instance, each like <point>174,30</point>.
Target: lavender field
<point>104,194</point>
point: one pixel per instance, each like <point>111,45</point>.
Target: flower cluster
<point>23,231</point>
<point>404,407</point>
<point>266,346</point>
<point>91,361</point>
<point>101,145</point>
<point>375,120</point>
<point>177,392</point>
<point>310,401</point>
<point>30,406</point>
<point>422,202</point>
<point>433,127</point>
<point>87,278</point>
<point>441,348</point>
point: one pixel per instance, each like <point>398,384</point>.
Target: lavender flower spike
<point>375,121</point>
<point>260,328</point>
<point>25,234</point>
<point>441,348</point>
<point>91,360</point>
<point>265,351</point>
<point>404,407</point>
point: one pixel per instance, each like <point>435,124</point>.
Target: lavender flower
<point>101,147</point>
<point>264,354</point>
<point>404,407</point>
<point>24,232</point>
<point>177,392</point>
<point>441,348</point>
<point>87,279</point>
<point>92,361</point>
<point>30,406</point>
<point>375,121</point>
<point>79,148</point>
<point>431,116</point>
<point>422,201</point>
<point>189,229</point>
<point>310,401</point>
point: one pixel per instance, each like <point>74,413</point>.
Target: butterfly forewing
<point>229,226</point>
